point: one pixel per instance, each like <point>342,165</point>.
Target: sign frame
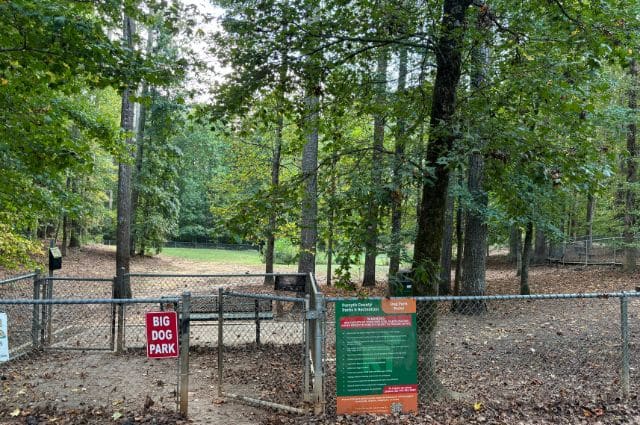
<point>162,334</point>
<point>376,356</point>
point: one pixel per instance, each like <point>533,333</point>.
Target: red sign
<point>162,334</point>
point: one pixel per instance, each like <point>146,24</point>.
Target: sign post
<point>162,334</point>
<point>376,356</point>
<point>4,338</point>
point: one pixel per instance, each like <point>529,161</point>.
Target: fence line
<point>279,350</point>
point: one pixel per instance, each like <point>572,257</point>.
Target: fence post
<point>307,348</point>
<point>318,365</point>
<point>119,289</point>
<point>220,336</point>
<point>35,319</point>
<point>112,339</point>
<point>184,353</point>
<point>257,302</point>
<point>624,325</point>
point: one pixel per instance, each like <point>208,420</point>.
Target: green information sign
<point>376,356</point>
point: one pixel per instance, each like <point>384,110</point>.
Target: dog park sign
<point>162,334</point>
<point>376,356</point>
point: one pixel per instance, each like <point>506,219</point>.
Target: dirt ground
<point>65,387</point>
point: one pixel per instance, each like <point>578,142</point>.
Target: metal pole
<point>624,325</point>
<point>220,341</point>
<point>318,373</point>
<point>119,294</point>
<point>35,320</point>
<point>112,339</point>
<point>257,322</point>
<point>307,346</point>
<point>184,353</point>
<point>586,252</point>
<point>49,295</point>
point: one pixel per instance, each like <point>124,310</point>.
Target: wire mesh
<point>592,251</point>
<point>68,372</point>
<point>264,359</point>
<point>634,344</point>
<point>147,285</point>
<point>502,351</point>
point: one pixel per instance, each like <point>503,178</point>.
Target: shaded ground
<point>535,362</point>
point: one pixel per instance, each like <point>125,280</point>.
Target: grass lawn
<point>221,256</point>
<point>249,257</point>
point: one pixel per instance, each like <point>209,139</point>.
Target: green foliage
<point>16,251</point>
<point>158,205</point>
<point>285,252</point>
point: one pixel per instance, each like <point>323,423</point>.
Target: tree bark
<point>123,230</point>
<point>331,218</point>
<point>135,185</point>
<point>526,256</point>
<point>474,259</point>
<point>515,243</point>
<point>447,247</point>
<point>275,182</point>
<point>373,212</point>
<point>397,194</point>
<point>309,220</point>
<point>540,251</point>
<point>459,241</point>
<point>428,243</point>
<point>631,252</point>
<point>591,205</point>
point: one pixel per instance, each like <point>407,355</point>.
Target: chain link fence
<point>278,349</point>
<point>589,251</point>
<point>518,349</point>
<point>48,332</point>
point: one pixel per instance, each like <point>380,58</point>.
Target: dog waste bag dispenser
<point>55,259</point>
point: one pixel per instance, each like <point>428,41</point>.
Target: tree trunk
<point>526,256</point>
<point>632,175</point>
<point>331,218</point>
<point>135,185</point>
<point>140,127</point>
<point>123,230</point>
<point>397,194</point>
<point>515,242</point>
<point>269,255</point>
<point>447,248</point>
<point>474,259</point>
<point>373,212</point>
<point>430,232</point>
<point>65,225</point>
<point>459,241</point>
<point>275,182</point>
<point>540,250</point>
<point>309,221</point>
<point>591,205</point>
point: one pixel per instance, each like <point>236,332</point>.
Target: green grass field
<point>219,256</point>
<point>223,256</point>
